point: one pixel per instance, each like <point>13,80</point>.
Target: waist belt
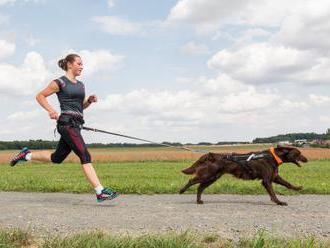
<point>69,120</point>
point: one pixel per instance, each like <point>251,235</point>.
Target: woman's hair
<point>63,63</point>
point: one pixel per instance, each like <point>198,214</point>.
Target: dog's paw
<point>200,202</point>
<point>181,191</point>
<point>282,203</point>
<point>298,188</point>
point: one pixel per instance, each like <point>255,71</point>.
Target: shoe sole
<point>108,198</point>
<point>13,163</point>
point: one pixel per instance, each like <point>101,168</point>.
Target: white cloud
<point>167,104</point>
<point>111,3</point>
<point>25,116</point>
<point>325,119</point>
<point>261,63</point>
<point>99,60</point>
<point>307,30</point>
<point>6,49</point>
<point>203,11</point>
<point>192,48</point>
<point>200,110</point>
<point>249,100</point>
<point>188,105</point>
<point>117,26</point>
<point>25,79</point>
<point>319,100</point>
<point>210,15</point>
<point>95,61</point>
<point>224,84</point>
<point>3,2</point>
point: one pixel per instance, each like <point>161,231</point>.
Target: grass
<point>18,238</point>
<point>151,177</point>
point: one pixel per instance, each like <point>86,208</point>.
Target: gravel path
<point>231,216</point>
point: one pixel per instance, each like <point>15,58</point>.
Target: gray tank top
<point>71,96</point>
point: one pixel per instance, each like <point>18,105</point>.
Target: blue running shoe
<point>20,157</point>
<point>107,194</point>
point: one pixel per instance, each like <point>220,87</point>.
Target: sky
<point>173,70</point>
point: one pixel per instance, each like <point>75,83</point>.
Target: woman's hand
<point>53,115</point>
<point>91,99</point>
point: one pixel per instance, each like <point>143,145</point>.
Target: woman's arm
<point>89,100</point>
<point>41,98</point>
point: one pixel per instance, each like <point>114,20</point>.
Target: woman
<point>71,95</point>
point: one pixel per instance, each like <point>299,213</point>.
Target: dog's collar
<point>276,157</point>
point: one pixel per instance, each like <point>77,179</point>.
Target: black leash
<point>152,142</point>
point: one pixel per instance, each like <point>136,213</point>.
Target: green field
<point>151,177</point>
<point>18,238</point>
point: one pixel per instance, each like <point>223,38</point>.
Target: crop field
<point>170,154</point>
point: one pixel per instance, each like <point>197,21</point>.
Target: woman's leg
<point>43,156</point>
<point>91,175</point>
<point>61,152</point>
<point>73,138</point>
<point>76,142</point>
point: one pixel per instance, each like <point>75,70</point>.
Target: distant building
<point>284,142</point>
<point>300,141</point>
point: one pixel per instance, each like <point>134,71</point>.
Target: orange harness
<point>276,157</point>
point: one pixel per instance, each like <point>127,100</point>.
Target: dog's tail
<point>193,168</point>
<point>189,170</point>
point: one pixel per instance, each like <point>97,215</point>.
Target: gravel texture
<point>230,216</point>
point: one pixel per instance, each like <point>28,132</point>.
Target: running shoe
<point>20,157</point>
<point>107,194</point>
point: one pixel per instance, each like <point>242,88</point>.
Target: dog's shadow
<point>209,202</point>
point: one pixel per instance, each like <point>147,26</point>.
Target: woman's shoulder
<point>60,81</point>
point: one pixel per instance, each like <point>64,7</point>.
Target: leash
<point>152,142</point>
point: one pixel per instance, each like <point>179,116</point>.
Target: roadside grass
<point>18,238</point>
<point>152,177</point>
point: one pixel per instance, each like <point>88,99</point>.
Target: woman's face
<point>76,66</point>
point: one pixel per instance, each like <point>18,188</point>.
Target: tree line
<point>45,144</point>
<point>291,137</point>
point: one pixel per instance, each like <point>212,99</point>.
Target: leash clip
<point>250,157</point>
<point>55,129</point>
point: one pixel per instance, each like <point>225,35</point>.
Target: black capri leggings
<point>71,140</point>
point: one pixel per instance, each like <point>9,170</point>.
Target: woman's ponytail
<point>63,63</point>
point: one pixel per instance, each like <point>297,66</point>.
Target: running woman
<point>71,95</point>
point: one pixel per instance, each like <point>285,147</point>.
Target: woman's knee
<point>56,159</point>
<point>85,157</point>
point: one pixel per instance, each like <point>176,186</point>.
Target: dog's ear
<point>283,149</point>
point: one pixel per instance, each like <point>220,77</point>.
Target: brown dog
<point>254,165</point>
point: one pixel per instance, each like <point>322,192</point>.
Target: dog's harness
<point>247,157</point>
<point>276,157</point>
<point>244,159</point>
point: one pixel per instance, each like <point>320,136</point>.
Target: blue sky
<point>181,70</point>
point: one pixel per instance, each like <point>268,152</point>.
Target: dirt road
<point>231,216</point>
